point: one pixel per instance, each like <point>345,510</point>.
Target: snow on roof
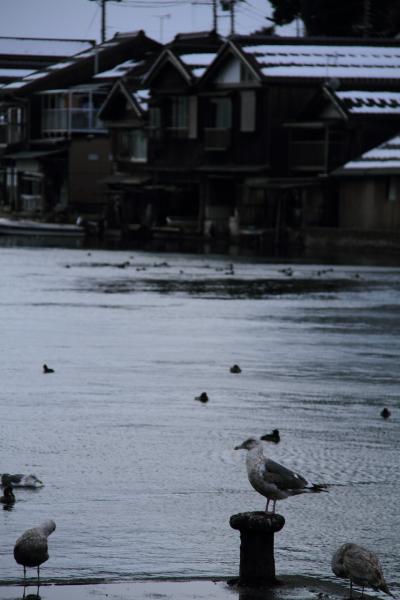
<point>41,46</point>
<point>119,70</point>
<point>368,102</point>
<point>142,97</point>
<point>13,85</point>
<point>322,61</point>
<point>15,73</point>
<point>383,157</point>
<point>198,62</point>
<point>60,65</point>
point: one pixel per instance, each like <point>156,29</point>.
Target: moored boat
<point>29,227</point>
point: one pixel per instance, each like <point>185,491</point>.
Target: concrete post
<point>257,562</point>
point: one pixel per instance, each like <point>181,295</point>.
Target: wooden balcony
<point>217,138</point>
<point>316,156</point>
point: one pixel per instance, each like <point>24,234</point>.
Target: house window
<point>217,135</point>
<point>11,125</point>
<point>133,145</point>
<point>70,111</point>
<point>222,113</point>
<point>155,122</point>
<point>393,189</point>
<point>179,116</point>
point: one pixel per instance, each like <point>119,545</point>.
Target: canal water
<point>141,478</point>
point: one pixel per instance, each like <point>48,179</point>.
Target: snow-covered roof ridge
<point>370,101</point>
<point>386,156</point>
<point>310,60</point>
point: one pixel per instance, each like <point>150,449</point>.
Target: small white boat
<point>28,227</point>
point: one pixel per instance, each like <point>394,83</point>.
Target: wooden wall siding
<point>89,162</point>
<point>370,203</point>
<point>248,111</point>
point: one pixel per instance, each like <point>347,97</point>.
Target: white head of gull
<point>270,479</point>
<point>360,566</point>
<point>31,549</point>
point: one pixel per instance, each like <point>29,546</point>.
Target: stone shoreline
<point>288,588</point>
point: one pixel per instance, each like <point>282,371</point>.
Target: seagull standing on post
<point>31,549</point>
<point>361,566</point>
<point>271,479</point>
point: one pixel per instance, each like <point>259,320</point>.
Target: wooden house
<point>369,186</point>
<point>156,147</point>
<point>277,118</point>
<point>56,166</point>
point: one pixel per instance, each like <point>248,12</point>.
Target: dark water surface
<point>140,478</point>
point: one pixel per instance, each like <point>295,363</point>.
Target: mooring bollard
<point>257,562</point>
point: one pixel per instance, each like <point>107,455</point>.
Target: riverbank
<point>289,588</point>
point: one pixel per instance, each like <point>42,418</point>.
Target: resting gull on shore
<point>361,566</point>
<point>31,548</point>
<point>271,479</point>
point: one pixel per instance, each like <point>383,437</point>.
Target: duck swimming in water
<point>272,437</point>
<point>385,413</point>
<point>203,397</point>
<point>47,369</point>
<point>8,497</point>
<point>235,369</point>
<point>27,481</point>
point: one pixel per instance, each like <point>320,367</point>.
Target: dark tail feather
<point>318,487</point>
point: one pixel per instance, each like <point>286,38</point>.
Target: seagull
<point>19,480</point>
<point>47,369</point>
<point>8,497</point>
<point>272,437</point>
<point>30,549</point>
<point>361,566</point>
<point>271,479</point>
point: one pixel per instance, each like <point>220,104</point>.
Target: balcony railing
<point>217,138</point>
<point>70,120</point>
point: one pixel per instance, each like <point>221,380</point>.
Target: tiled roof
<point>87,55</point>
<point>362,102</point>
<point>383,158</point>
<point>323,61</point>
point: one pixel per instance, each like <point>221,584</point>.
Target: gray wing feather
<point>284,478</point>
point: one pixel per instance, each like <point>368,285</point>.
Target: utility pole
<point>213,3</point>
<point>230,5</point>
<point>215,19</point>
<point>103,16</point>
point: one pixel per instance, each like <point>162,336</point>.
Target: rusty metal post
<point>257,529</point>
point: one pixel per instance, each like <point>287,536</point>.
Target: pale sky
<point>160,19</point>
